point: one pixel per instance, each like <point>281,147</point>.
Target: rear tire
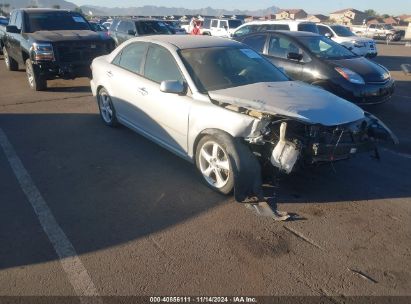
<point>11,64</point>
<point>107,111</point>
<point>35,80</point>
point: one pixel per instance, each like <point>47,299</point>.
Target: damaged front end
<point>290,144</point>
<point>297,124</point>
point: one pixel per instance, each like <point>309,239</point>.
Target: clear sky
<point>394,7</point>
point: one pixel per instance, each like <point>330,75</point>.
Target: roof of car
<point>191,41</point>
<point>44,10</point>
<point>137,19</point>
<point>289,33</point>
<point>298,21</point>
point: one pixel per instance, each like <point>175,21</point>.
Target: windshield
<point>152,28</point>
<point>226,67</point>
<point>388,27</point>
<point>325,48</point>
<point>98,27</point>
<point>342,31</point>
<point>55,21</point>
<point>232,24</point>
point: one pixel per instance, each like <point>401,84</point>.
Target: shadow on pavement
<point>107,187</point>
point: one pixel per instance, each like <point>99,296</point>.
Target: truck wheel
<point>389,37</point>
<point>214,164</point>
<point>36,81</point>
<point>11,64</point>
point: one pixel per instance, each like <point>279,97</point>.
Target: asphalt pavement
<point>91,210</point>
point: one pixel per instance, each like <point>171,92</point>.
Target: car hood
<point>58,36</point>
<point>292,99</point>
<point>352,38</point>
<point>370,71</point>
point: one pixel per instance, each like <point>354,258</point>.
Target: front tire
<point>107,111</point>
<point>214,164</point>
<point>11,64</point>
<point>35,80</point>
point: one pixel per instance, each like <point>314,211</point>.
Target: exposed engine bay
<point>290,144</point>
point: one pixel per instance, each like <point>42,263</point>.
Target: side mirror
<point>328,35</point>
<point>295,56</point>
<point>131,32</point>
<point>12,29</point>
<point>172,87</point>
<point>226,27</point>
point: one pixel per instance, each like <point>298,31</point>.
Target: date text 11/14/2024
<point>203,300</point>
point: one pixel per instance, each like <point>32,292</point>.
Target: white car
<point>222,106</point>
<point>275,25</point>
<point>221,27</point>
<point>342,35</point>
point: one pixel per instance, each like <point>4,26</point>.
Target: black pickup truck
<point>51,44</point>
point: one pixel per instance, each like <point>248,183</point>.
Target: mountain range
<point>147,10</point>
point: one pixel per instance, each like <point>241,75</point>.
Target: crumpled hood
<point>57,36</point>
<point>292,99</point>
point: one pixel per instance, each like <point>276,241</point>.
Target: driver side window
<point>280,47</point>
<point>160,65</point>
<point>131,57</point>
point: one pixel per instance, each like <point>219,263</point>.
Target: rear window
<point>308,27</point>
<point>152,28</point>
<point>55,21</point>
<point>234,23</point>
<point>274,27</point>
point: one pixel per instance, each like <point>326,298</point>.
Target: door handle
<point>109,73</point>
<point>142,91</point>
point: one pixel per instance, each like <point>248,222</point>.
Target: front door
<point>168,113</point>
<point>278,52</point>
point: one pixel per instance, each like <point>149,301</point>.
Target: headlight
<point>42,52</point>
<point>350,75</point>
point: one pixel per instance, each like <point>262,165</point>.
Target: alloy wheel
<point>106,108</point>
<point>214,164</point>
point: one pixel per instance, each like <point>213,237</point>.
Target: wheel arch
<point>205,132</point>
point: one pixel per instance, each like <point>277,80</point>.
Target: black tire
<point>221,157</point>
<point>11,64</point>
<point>106,108</point>
<point>35,80</point>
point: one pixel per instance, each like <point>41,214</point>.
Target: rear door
<point>214,27</point>
<point>125,80</point>
<point>278,49</point>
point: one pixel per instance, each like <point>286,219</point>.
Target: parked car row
<point>231,107</point>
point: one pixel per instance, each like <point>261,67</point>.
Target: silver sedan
<point>221,105</point>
